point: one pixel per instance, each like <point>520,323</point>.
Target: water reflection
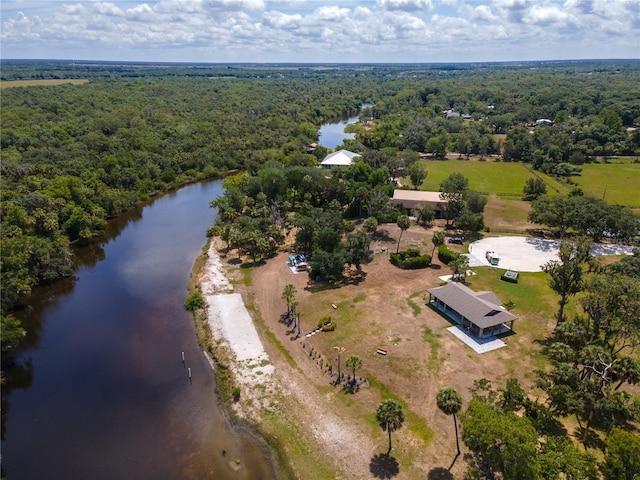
<point>99,390</point>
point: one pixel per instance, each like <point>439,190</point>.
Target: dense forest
<point>74,156</point>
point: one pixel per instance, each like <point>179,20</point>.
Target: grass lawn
<point>618,183</point>
<point>535,306</point>
<point>492,177</point>
<point>507,214</point>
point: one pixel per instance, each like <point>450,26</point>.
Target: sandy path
<point>231,323</point>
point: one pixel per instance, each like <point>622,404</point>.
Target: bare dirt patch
<point>382,308</point>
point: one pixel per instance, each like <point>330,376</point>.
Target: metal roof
<point>481,308</point>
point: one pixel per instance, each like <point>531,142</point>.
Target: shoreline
<point>231,324</point>
<point>234,346</point>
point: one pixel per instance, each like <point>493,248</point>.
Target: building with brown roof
<point>412,199</point>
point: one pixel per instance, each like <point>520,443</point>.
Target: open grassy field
<point>40,83</point>
<point>617,183</point>
<point>491,177</point>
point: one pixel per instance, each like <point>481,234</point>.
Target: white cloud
<point>296,30</point>
<point>407,5</point>
<point>331,14</point>
<point>279,20</point>
<point>108,8</point>
<point>545,15</point>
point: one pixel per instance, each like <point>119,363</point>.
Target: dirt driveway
<point>383,308</point>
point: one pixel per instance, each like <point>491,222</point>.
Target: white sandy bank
<point>231,323</point>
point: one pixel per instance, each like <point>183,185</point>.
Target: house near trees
<point>412,199</point>
<point>480,313</point>
<point>341,158</point>
<point>544,122</point>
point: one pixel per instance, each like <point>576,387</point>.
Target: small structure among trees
<point>415,199</point>
<point>480,313</point>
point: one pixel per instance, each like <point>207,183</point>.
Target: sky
<point>320,31</point>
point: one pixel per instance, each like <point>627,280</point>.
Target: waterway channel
<point>332,134</point>
<point>99,389</point>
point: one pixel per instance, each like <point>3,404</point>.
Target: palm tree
<point>437,240</point>
<point>354,362</point>
<point>404,222</point>
<point>390,416</point>
<point>340,351</point>
<point>288,296</point>
<point>450,402</point>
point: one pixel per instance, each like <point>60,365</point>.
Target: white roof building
<point>341,158</point>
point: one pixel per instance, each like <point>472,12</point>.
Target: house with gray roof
<point>480,313</point>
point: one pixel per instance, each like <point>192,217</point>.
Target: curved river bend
<point>99,390</point>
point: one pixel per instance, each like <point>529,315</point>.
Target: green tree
<point>437,240</point>
<point>450,402</point>
<point>425,214</point>
<point>459,266</point>
<point>622,460</point>
<point>357,248</point>
<point>453,191</point>
<point>554,211</point>
<point>370,225</point>
<point>417,174</point>
<point>288,295</point>
<point>503,442</point>
<point>533,188</point>
<point>404,222</point>
<point>327,265</point>
<point>354,362</point>
<point>11,332</point>
<point>559,458</point>
<point>362,193</point>
<point>566,275</point>
<point>390,417</point>
<point>194,302</point>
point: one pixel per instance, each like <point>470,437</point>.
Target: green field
<point>40,83</point>
<point>621,180</point>
<point>617,183</point>
<point>490,177</point>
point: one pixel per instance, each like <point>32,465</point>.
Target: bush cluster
<point>410,259</point>
<point>445,255</point>
<point>327,324</point>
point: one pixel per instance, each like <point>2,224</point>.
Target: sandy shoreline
<point>231,324</point>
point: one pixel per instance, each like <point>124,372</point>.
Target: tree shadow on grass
<point>439,473</point>
<point>593,440</point>
<point>384,465</point>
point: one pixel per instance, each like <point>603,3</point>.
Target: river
<point>99,389</point>
<point>332,134</point>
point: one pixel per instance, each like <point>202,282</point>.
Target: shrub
<point>194,302</point>
<point>410,259</point>
<point>445,255</point>
<point>235,394</point>
<point>326,324</point>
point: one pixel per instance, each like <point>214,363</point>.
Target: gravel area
<point>526,254</point>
